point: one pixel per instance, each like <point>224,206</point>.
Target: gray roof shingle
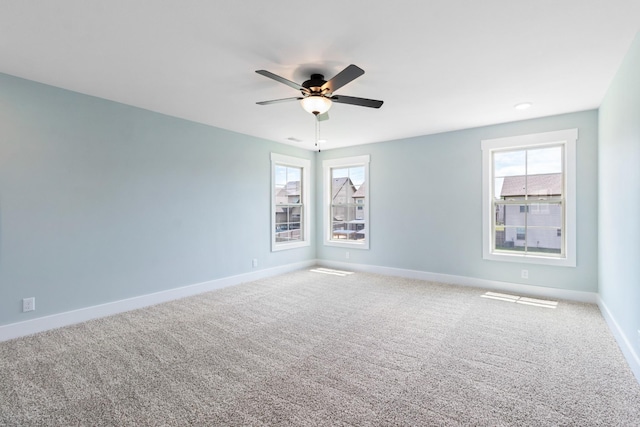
<point>549,184</point>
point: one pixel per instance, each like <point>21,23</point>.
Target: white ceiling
<point>439,65</point>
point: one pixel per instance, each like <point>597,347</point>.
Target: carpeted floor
<point>314,349</point>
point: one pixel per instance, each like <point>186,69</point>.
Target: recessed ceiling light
<point>523,106</point>
<point>322,141</point>
<point>294,139</point>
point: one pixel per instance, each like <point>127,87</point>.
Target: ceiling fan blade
<point>322,117</point>
<point>281,80</point>
<point>276,101</point>
<point>345,76</point>
<point>363,102</point>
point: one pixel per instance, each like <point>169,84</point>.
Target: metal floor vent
<point>521,300</point>
<point>332,272</point>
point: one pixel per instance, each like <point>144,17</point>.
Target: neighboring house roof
<point>291,188</point>
<point>360,193</point>
<point>338,184</point>
<point>288,193</point>
<point>549,184</point>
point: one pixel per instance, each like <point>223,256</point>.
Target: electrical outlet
<point>28,304</point>
<point>254,262</point>
<point>347,254</point>
<point>524,274</point>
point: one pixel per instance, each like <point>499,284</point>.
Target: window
<point>346,202</point>
<point>289,202</point>
<point>529,190</point>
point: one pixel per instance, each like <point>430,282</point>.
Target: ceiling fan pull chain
<point>315,119</point>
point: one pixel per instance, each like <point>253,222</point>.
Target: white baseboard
<point>518,288</point>
<point>623,342</point>
<point>40,324</point>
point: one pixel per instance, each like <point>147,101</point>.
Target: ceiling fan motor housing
<point>314,84</point>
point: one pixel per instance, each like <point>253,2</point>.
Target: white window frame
<point>327,165</point>
<point>305,165</point>
<point>567,138</point>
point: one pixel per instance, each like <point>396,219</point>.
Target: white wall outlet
<point>28,304</point>
<point>346,254</point>
<point>524,274</point>
<point>254,262</point>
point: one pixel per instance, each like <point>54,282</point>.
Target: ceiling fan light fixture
<point>316,104</point>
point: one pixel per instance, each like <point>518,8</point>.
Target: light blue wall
<point>426,205</point>
<point>100,201</point>
<point>619,189</point>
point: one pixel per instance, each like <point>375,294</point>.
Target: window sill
<point>275,247</point>
<point>531,259</point>
<point>347,244</point>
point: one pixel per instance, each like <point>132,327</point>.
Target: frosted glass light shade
<point>316,104</point>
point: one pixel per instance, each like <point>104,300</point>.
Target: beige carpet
<point>314,349</point>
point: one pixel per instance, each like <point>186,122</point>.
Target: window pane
<point>340,191</point>
<point>280,178</point>
<point>356,174</point>
<point>346,212</point>
<point>544,160</point>
<point>545,215</point>
<point>544,228</point>
<point>511,215</point>
<point>543,187</point>
<point>510,238</point>
<point>509,163</point>
<point>543,240</point>
<point>505,238</point>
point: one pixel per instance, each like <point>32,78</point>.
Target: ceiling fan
<point>317,94</point>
